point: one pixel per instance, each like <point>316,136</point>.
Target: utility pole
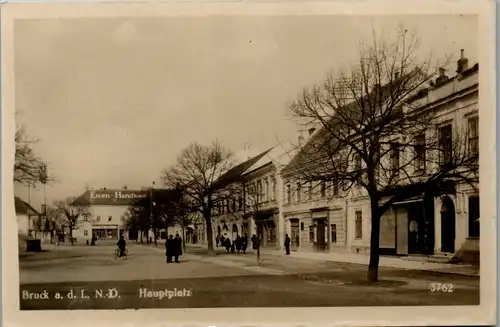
<point>151,209</point>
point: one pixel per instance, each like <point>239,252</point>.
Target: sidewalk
<point>363,259</point>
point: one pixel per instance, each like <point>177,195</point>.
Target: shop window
<point>474,216</point>
<point>359,225</point>
<point>333,228</point>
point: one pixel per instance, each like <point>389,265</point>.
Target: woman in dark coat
<point>227,243</point>
<point>238,244</point>
<point>244,243</point>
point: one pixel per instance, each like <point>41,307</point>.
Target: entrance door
<point>320,232</point>
<point>416,230</point>
<point>295,237</point>
<point>448,226</point>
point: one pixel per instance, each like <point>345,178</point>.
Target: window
<point>274,188</point>
<point>445,145</point>
<point>335,187</point>
<point>98,218</point>
<point>310,191</point>
<point>234,204</point>
<point>85,233</point>
<point>357,161</point>
<point>227,205</point>
<point>302,226</point>
<point>359,225</point>
<point>110,218</point>
<point>333,229</point>
<point>311,234</point>
<point>394,157</point>
<point>474,216</point>
<point>299,192</point>
<point>240,203</point>
<point>288,194</point>
<point>323,189</point>
<point>473,134</point>
<point>420,153</point>
<point>266,191</point>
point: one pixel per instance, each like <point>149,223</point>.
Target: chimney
<point>311,131</point>
<point>442,76</point>
<point>462,63</point>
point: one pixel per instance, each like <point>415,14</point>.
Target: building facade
<point>319,217</point>
<point>107,209</point>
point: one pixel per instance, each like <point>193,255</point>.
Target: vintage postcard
<point>259,163</point>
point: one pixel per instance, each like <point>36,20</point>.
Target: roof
<point>22,207</point>
<point>279,155</point>
<point>235,174</point>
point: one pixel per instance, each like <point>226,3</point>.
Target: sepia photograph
<point>230,160</point>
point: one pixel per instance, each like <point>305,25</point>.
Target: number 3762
<point>438,287</point>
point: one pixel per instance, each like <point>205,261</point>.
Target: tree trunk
<point>71,234</point>
<point>210,241</point>
<point>374,240</point>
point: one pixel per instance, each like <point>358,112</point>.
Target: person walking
<point>287,244</point>
<point>244,243</point>
<point>227,242</point>
<point>217,238</point>
<point>178,247</point>
<point>238,244</point>
<point>169,248</point>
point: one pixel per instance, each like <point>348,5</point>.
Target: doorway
<point>416,228</point>
<point>448,226</point>
<point>295,234</point>
<point>320,232</point>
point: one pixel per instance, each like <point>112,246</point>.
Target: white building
<point>320,220</point>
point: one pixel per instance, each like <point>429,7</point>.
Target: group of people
<point>173,248</point>
<point>239,244</point>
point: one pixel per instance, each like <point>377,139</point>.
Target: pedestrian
<point>238,244</point>
<point>244,243</point>
<point>178,247</point>
<point>222,241</point>
<point>169,248</point>
<point>254,242</point>
<point>122,246</point>
<point>287,244</point>
<point>217,238</point>
<point>227,242</point>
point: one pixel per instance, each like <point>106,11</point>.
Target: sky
<point>113,101</point>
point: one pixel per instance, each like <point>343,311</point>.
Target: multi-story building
<point>319,219</point>
<point>107,208</point>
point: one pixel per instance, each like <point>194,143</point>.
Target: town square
<point>262,168</point>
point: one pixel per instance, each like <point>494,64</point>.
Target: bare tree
<point>28,168</point>
<point>72,212</point>
<point>199,171</point>
<point>376,138</point>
